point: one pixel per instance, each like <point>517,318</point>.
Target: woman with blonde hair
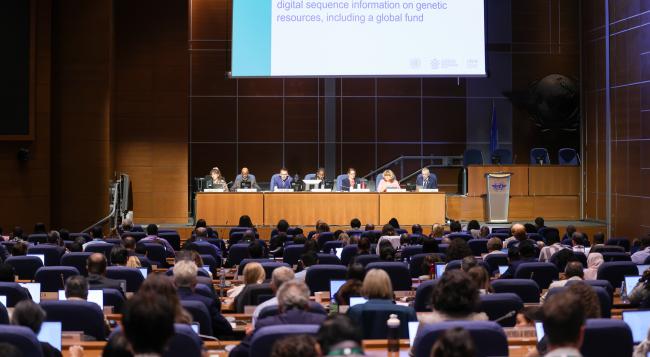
<point>253,274</point>
<point>388,181</point>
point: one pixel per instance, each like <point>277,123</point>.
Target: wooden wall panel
<point>150,120</point>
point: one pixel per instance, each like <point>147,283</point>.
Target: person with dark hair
<point>530,228</point>
<point>455,227</point>
<point>31,315</point>
<point>484,232</point>
<point>481,278</point>
<point>19,249</point>
<point>525,253</point>
<point>570,229</point>
<point>352,286</point>
<point>17,234</point>
<point>369,227</point>
<point>339,333</point>
<point>77,245</point>
<point>458,249</point>
<point>539,223</point>
<point>152,237</point>
<point>245,221</point>
<point>640,295</point>
<point>97,235</point>
<point>553,246</point>
<point>578,242</point>
<point>363,246</point>
<point>387,254</point>
<point>295,345</point>
<point>255,250</point>
<point>54,239</point>
<point>7,273</point>
<point>350,181</point>
<point>117,346</point>
<point>148,323</point>
<point>282,226</point>
<point>76,288</point>
<point>573,271</point>
<point>119,255</point>
<point>355,223</point>
<point>474,228</point>
<point>455,297</point>
<point>429,245</point>
<point>643,254</point>
<point>393,222</point>
<point>299,239</point>
<point>455,342</point>
<point>468,263</point>
<point>308,259</point>
<point>39,228</point>
<point>201,223</point>
<point>599,239</point>
<point>564,325</point>
<point>562,258</point>
<point>96,266</point>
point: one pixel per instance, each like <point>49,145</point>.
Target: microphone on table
<point>506,316</point>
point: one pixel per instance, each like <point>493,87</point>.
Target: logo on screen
<point>499,186</point>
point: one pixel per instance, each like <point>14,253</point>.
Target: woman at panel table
<point>216,180</point>
<point>389,181</point>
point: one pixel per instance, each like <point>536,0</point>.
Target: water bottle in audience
<point>623,292</point>
<point>393,333</point>
<point>222,278</point>
<point>334,306</point>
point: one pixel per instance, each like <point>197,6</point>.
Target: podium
<point>498,196</point>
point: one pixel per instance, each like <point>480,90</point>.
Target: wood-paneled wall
<point>630,113</point>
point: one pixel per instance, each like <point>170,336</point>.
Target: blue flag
<point>494,131</point>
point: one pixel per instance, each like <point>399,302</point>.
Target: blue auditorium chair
<point>526,289</point>
<point>423,294</point>
<point>264,338</point>
<point>615,272</point>
<point>25,266</point>
<point>472,157</point>
<point>76,315</point>
<point>398,272</point>
<point>237,253</point>
<point>366,259</point>
<point>14,293</point>
<point>51,253</point>
<point>607,337</point>
<point>292,253</point>
<point>22,338</point>
<point>542,273</point>
<point>52,279</point>
<point>537,154</point>
<point>200,314</point>
<point>325,258</point>
<point>568,157</point>
<point>132,276</point>
<point>500,305</point>
<point>318,276</point>
<point>489,337</point>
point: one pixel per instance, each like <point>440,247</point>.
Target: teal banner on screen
<point>251,38</point>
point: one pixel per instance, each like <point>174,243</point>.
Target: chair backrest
<point>114,298</point>
<point>504,155</point>
<point>132,276</point>
<point>22,338</point>
<point>607,337</point>
<point>348,252</point>
<point>200,314</point>
<point>366,259</point>
<point>398,272</point>
<point>372,319</point>
<point>423,293</point>
<point>536,153</point>
<point>331,246</point>
<point>270,266</point>
<point>52,254</point>
<point>478,246</point>
<point>135,234</point>
<point>205,248</point>
<point>156,253</point>
<point>615,272</point>
<point>100,247</point>
<point>85,236</point>
<point>494,260</point>
<point>501,230</point>
<point>251,295</point>
<point>465,236</point>
<point>14,293</point>
<point>310,177</point>
<point>324,237</point>
<point>292,253</point>
<point>318,276</point>
<point>4,315</point>
<point>415,264</point>
<point>379,178</point>
<point>209,260</point>
<point>411,250</point>
<point>603,298</point>
<point>606,285</point>
<point>616,257</point>
<point>568,156</point>
<point>77,316</point>
<point>621,242</point>
<point>185,342</point>
<point>499,305</point>
<point>25,266</point>
<point>543,273</point>
<point>237,253</point>
<point>325,258</point>
<point>242,264</point>
<point>339,181</point>
<point>489,338</point>
<point>264,338</point>
<point>472,157</point>
<point>275,309</point>
<point>173,238</point>
<point>52,279</point>
<point>527,289</point>
<point>38,238</point>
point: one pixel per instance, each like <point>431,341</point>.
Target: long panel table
<point>335,208</point>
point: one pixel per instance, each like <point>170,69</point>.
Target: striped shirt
<point>547,252</point>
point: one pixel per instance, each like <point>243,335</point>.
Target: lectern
<point>498,196</point>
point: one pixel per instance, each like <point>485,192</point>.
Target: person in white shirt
<point>573,271</point>
<point>494,246</point>
<point>280,276</point>
<point>578,242</point>
<point>518,234</point>
<point>564,325</point>
<point>307,260</point>
<point>643,254</point>
<point>553,246</point>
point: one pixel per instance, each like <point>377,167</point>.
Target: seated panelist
<point>245,179</point>
<point>281,181</point>
<point>320,175</point>
<point>351,181</point>
<point>389,181</point>
<point>215,180</point>
<point>426,180</point>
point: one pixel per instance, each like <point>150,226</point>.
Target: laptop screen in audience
<point>40,256</point>
<point>630,283</point>
<point>440,269</point>
<point>539,330</point>
<point>338,252</point>
<point>335,285</point>
<point>95,296</point>
<point>34,290</point>
<point>51,333</point>
<point>206,268</point>
<point>413,331</point>
<point>195,327</point>
<point>3,300</point>
<point>144,272</point>
<point>502,269</point>
<point>357,300</point>
<point>639,322</point>
<point>642,268</point>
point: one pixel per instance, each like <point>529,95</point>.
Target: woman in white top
<point>389,181</point>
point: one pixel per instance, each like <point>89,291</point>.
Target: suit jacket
<point>239,180</point>
<point>220,326</point>
<point>277,182</point>
<point>101,282</point>
<point>345,183</point>
<point>432,182</point>
<point>293,316</point>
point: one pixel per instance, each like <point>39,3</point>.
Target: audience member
<point>455,342</point>
<point>643,254</point>
<point>96,266</point>
<point>369,227</point>
<point>563,325</point>
<point>468,263</point>
<point>353,284</point>
<point>19,249</point>
<point>573,271</point>
<point>253,274</point>
<point>17,234</point>
<point>578,242</point>
<point>295,345</point>
<point>279,276</point>
<point>54,240</point>
<point>31,315</point>
<point>148,324</point>
<point>458,249</point>
<point>640,294</point>
<point>437,231</point>
<point>355,224</point>
<point>518,234</point>
<point>484,232</point>
<point>474,228</point>
<point>245,221</point>
<point>97,235</point>
<point>494,246</point>
<point>159,284</point>
<point>539,223</point>
<point>562,258</point>
<point>570,229</point>
<point>255,250</point>
<point>387,254</point>
<point>39,228</point>
<point>119,255</point>
<point>429,245</point>
<point>394,223</point>
<point>530,228</point>
<point>599,239</point>
<point>455,297</point>
<point>363,247</point>
<point>7,273</point>
<point>594,261</point>
<point>339,335</point>
<point>152,237</point>
<point>481,278</point>
<point>76,288</point>
<point>525,253</point>
<point>553,246</point>
<point>306,261</point>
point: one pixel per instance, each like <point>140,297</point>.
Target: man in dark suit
<point>526,254</point>
<point>426,180</point>
<point>185,279</point>
<point>293,303</point>
<point>97,279</point>
<point>350,181</point>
